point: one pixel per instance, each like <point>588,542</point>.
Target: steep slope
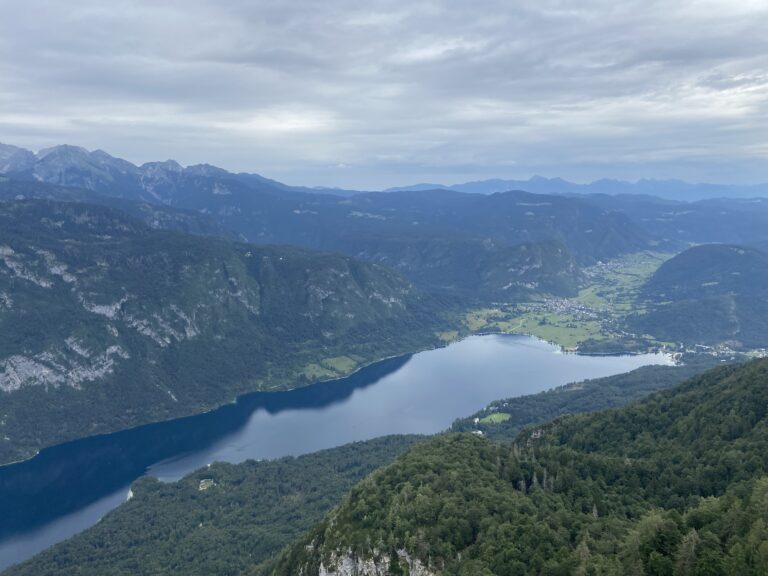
<point>631,491</point>
<point>157,216</point>
<point>709,294</point>
<point>98,172</point>
<point>105,323</point>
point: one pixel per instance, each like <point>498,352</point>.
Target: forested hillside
<point>680,224</point>
<point>224,519</point>
<point>674,484</point>
<point>154,215</point>
<point>709,294</point>
<point>107,324</point>
<point>504,419</point>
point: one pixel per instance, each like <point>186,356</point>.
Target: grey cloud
<point>381,93</point>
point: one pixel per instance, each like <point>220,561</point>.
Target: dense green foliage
<point>674,484</point>
<point>707,295</point>
<point>225,519</point>
<point>587,396</point>
<point>107,324</point>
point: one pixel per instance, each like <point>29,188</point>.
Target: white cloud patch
<point>397,91</point>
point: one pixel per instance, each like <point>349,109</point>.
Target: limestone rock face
<point>347,564</point>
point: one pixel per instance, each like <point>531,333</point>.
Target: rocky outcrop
<point>348,564</point>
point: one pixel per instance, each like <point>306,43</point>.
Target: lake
<point>67,488</point>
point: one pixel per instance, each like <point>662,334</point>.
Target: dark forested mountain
<point>437,258</point>
<point>106,323</point>
<point>158,216</point>
<point>588,232</point>
<point>709,294</point>
<point>674,224</point>
<point>675,484</point>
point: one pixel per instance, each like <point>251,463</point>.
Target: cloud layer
<point>389,92</point>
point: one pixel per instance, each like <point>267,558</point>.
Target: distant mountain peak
<point>13,158</point>
<point>207,170</point>
<point>61,150</point>
<point>670,189</point>
<point>169,165</point>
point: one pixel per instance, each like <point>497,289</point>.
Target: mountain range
<point>669,189</point>
<point>97,170</point>
<point>495,246</point>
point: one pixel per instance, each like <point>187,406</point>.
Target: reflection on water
<point>67,488</point>
<point>86,470</point>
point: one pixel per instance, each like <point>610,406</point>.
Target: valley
<point>594,320</point>
<point>391,288</point>
<point>240,319</point>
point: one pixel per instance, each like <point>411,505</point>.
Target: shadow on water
<point>67,477</point>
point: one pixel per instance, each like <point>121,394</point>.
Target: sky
<point>383,93</point>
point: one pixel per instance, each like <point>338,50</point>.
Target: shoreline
<point>561,349</point>
<point>523,350</point>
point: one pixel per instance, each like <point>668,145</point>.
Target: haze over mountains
<point>94,170</point>
<point>670,189</point>
<point>483,246</point>
<point>131,294</point>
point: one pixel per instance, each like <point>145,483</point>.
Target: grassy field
<point>448,336</point>
<point>613,285</point>
<point>332,367</point>
<point>495,418</point>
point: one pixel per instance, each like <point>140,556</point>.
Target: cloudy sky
<point>381,93</point>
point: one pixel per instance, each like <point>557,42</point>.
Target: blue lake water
<point>67,488</point>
